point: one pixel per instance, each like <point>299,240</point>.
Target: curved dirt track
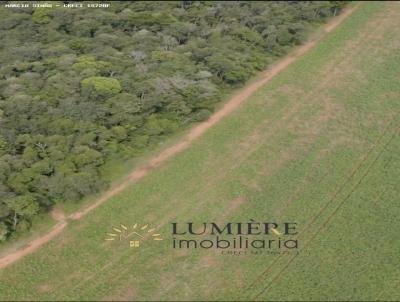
<point>193,134</point>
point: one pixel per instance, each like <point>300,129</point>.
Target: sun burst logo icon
<point>134,234</point>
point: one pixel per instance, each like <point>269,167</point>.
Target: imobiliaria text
<point>235,235</point>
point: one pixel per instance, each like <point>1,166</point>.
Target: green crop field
<point>317,145</point>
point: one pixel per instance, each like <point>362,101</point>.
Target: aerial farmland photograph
<point>199,151</point>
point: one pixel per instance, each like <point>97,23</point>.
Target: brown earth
<point>193,134</point>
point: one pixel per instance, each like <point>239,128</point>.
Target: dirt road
<point>193,134</point>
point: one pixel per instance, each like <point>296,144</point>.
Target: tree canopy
<point>80,86</point>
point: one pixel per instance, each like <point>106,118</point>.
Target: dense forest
<point>81,86</point>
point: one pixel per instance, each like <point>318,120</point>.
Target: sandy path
<point>33,245</point>
<point>193,134</point>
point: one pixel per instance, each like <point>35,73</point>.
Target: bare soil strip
<point>33,245</point>
<point>193,134</point>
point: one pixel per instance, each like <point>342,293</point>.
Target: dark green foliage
<point>78,86</point>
